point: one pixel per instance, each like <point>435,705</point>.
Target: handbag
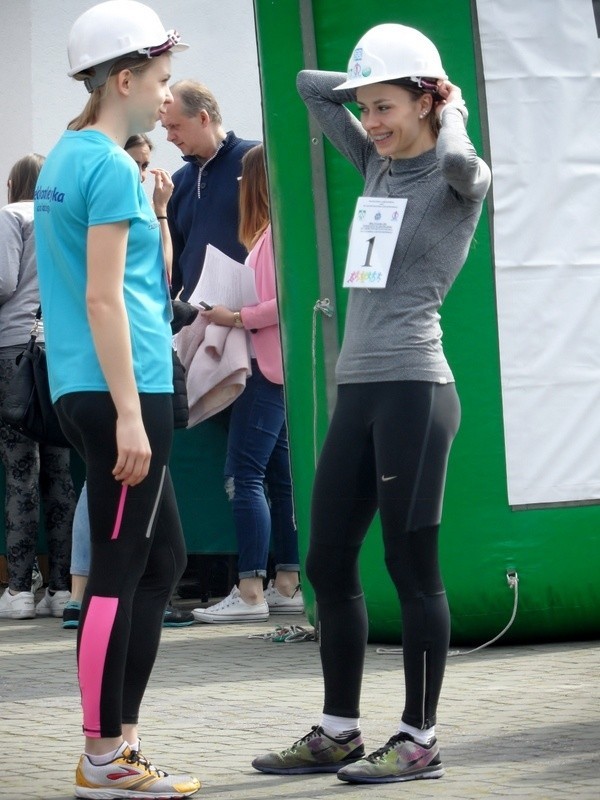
<point>184,313</point>
<point>27,406</point>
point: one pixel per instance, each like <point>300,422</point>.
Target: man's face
<point>192,135</point>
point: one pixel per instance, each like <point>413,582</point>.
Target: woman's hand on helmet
<point>451,98</point>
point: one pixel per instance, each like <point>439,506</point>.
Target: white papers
<point>373,238</point>
<point>224,282</point>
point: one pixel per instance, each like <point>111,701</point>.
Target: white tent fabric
<point>541,64</point>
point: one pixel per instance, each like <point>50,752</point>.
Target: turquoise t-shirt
<point>89,180</point>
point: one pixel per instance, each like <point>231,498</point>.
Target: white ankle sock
<point>105,758</point>
<point>339,727</point>
<point>424,736</point>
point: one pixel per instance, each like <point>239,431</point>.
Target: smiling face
<point>395,120</point>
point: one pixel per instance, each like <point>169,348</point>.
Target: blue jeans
<point>80,548</point>
<point>258,480</point>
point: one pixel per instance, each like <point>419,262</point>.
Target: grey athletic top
<point>394,333</point>
<point>19,293</point>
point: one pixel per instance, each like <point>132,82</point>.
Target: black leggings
<point>387,449</point>
<point>137,557</point>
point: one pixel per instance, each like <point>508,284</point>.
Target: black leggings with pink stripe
<point>138,555</point>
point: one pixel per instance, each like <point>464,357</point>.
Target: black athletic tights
<point>138,555</point>
<point>387,449</point>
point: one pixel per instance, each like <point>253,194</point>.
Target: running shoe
<point>17,606</point>
<point>52,604</point>
<point>401,759</point>
<point>177,617</point>
<point>233,609</point>
<point>71,614</point>
<point>315,752</point>
<point>130,775</point>
<point>280,604</point>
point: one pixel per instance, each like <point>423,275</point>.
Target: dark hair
<point>428,86</point>
<point>23,177</point>
<point>254,197</point>
<point>138,139</point>
<point>196,97</point>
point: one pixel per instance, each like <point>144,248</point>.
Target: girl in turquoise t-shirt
<point>106,310</point>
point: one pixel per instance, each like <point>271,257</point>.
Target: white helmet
<point>391,51</point>
<point>110,30</point>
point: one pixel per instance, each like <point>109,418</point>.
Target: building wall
<point>38,99</point>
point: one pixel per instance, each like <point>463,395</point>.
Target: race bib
<point>375,230</point>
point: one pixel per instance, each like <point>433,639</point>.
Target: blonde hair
<point>23,177</point>
<point>254,197</point>
<point>89,116</point>
<point>196,97</point>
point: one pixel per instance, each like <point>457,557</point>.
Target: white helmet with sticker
<point>113,29</point>
<point>391,51</point>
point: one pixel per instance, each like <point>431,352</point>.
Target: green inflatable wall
<point>554,551</point>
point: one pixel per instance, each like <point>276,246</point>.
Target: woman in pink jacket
<point>257,468</point>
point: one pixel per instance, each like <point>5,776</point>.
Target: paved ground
<point>515,722</point>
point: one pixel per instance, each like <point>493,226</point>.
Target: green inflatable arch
<point>553,551</point>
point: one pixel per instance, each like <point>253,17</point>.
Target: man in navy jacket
<point>204,206</point>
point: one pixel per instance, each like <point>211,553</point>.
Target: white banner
<point>541,61</point>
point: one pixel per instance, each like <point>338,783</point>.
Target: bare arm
<point>163,189</point>
<point>107,315</point>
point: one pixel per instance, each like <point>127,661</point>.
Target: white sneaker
<point>52,604</point>
<point>280,604</point>
<point>233,609</point>
<point>17,606</point>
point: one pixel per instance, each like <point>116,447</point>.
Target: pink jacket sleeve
<point>262,320</point>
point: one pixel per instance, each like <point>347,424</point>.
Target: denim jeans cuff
<point>253,573</point>
<point>287,567</point>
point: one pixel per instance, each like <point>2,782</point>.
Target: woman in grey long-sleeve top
<point>397,410</point>
<point>36,474</point>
